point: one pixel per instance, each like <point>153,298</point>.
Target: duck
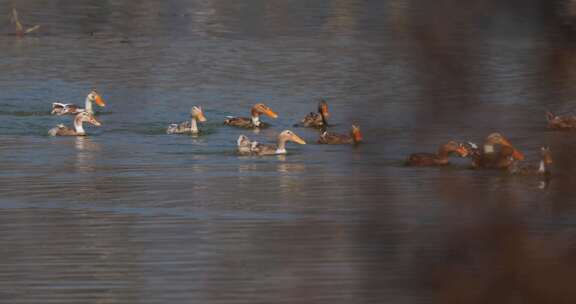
<point>59,108</point>
<point>246,146</point>
<point>441,158</point>
<point>490,157</point>
<point>254,120</point>
<point>542,169</point>
<point>317,119</point>
<point>190,126</point>
<point>61,130</point>
<point>329,138</point>
<point>21,31</point>
<point>560,122</point>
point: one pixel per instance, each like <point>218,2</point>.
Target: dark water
<point>130,215</point>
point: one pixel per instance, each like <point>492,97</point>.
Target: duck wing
<point>243,122</point>
<point>328,138</point>
<point>183,127</point>
<point>59,108</point>
<point>61,130</point>
<point>313,120</point>
<point>263,149</point>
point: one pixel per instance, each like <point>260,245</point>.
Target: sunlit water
<point>129,214</point>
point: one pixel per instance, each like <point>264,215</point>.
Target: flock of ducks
<point>496,153</point>
<point>245,146</point>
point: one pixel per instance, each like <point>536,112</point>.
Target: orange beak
<point>298,140</point>
<point>270,113</point>
<point>462,151</point>
<point>201,117</point>
<point>100,101</point>
<point>517,155</point>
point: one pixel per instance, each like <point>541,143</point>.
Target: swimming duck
<point>329,138</point>
<point>245,146</point>
<point>495,158</point>
<point>560,122</point>
<point>188,127</point>
<point>254,120</point>
<point>59,108</point>
<point>317,119</point>
<point>78,130</point>
<point>439,159</point>
<point>543,168</point>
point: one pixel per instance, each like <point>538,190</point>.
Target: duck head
<point>197,113</point>
<point>498,139</point>
<point>288,135</point>
<point>356,133</point>
<point>89,118</point>
<point>261,108</point>
<point>454,147</point>
<point>323,108</point>
<point>546,155</point>
<point>94,97</point>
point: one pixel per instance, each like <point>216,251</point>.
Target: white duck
<point>61,130</point>
<point>245,146</point>
<point>188,127</point>
<point>59,108</point>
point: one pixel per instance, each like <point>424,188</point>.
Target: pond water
<point>131,215</point>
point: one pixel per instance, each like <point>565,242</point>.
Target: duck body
<point>78,130</point>
<point>182,128</point>
<point>439,159</point>
<point>542,169</point>
<point>248,147</point>
<point>253,121</point>
<point>562,123</point>
<point>59,108</point>
<point>190,126</point>
<point>329,138</point>
<point>245,122</point>
<point>497,153</point>
<point>317,119</point>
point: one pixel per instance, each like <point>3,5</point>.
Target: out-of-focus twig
<point>20,29</point>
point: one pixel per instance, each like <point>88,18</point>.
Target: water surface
<point>131,215</point>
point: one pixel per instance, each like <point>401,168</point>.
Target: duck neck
<point>281,148</point>
<point>78,127</point>
<point>194,125</point>
<point>324,118</point>
<point>443,153</point>
<point>255,117</point>
<point>543,168</point>
<point>88,105</point>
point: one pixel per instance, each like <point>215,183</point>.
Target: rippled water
<point>131,215</point>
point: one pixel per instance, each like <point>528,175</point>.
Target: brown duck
<point>497,153</point>
<point>556,122</point>
<point>253,121</point>
<point>317,119</point>
<point>78,130</point>
<point>328,138</point>
<point>438,159</point>
<point>542,169</point>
